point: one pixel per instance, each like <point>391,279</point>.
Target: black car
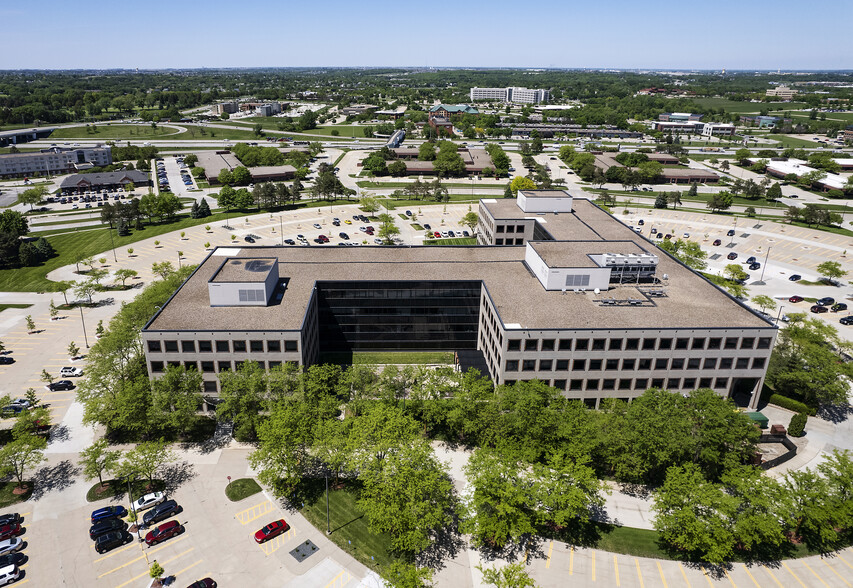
<point>731,233</point>
<point>107,526</point>
<point>408,213</point>
<point>827,301</point>
<point>12,409</point>
<point>427,227</point>
<point>846,320</point>
<point>248,239</point>
<point>162,511</point>
<point>732,255</point>
<point>343,235</point>
<point>641,222</point>
<point>6,360</point>
<point>754,265</point>
<point>61,385</point>
<point>751,259</point>
<point>12,559</point>
<point>795,277</point>
<point>451,233</point>
<point>11,518</point>
<point>838,306</point>
<point>290,241</point>
<point>112,540</point>
<point>818,309</point>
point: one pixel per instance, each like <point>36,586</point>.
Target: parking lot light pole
<point>764,267</point>
<point>779,315</point>
<point>85,338</point>
<point>113,245</point>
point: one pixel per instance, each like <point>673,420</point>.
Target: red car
<point>9,531</point>
<point>163,532</point>
<point>272,530</point>
<point>437,235</point>
<point>203,583</point>
<point>717,242</point>
<point>795,299</point>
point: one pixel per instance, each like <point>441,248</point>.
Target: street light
<point>113,244</point>
<point>778,315</point>
<point>764,267</point>
<point>85,338</point>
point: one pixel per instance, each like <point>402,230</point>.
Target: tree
<point>145,460</point>
<point>203,209</point>
<point>692,515</point>
<point>18,456</point>
<point>163,269</point>
<point>760,507</point>
<point>470,220</point>
<point>689,252</point>
<point>809,508</point>
<point>13,223</point>
<point>426,152</point>
<point>73,350</point>
<point>837,470</point>
<point>661,201</point>
<point>725,165</point>
<point>241,176</point>
<point>397,168</point>
<point>368,204</point>
<point>85,290</point>
<point>720,201</point>
<point>33,196</point>
<point>47,377</point>
<point>774,192</point>
<point>764,302</point>
<point>742,154</point>
<point>521,183</point>
<point>53,310</point>
<point>31,324</point>
<point>156,570</point>
<point>387,228</point>
<point>509,576</point>
<point>242,398</point>
<point>98,459</point>
<point>191,159</point>
<point>225,177</point>
<point>831,270</point>
<point>797,425</point>
<point>405,575</point>
<point>124,274</point>
<point>674,198</point>
<point>176,398</point>
<point>735,272</point>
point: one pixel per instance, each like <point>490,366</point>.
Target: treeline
<point>18,252</point>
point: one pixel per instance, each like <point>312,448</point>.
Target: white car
<point>9,574</point>
<point>149,500</point>
<point>686,235</point>
<point>11,545</point>
<point>70,371</point>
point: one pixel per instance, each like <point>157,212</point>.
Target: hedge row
<point>791,404</point>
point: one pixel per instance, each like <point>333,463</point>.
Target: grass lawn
<point>381,185</point>
<point>5,306</point>
<point>8,498</point>
<point>349,527</point>
<point>345,131</point>
<point>242,488</point>
<point>117,489</point>
<point>390,357</point>
<point>785,141</point>
<point>104,131</point>
<point>452,241</point>
<point>742,107</point>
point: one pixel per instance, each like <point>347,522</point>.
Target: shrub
<point>798,425</point>
<point>792,404</point>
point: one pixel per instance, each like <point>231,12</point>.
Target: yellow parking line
<point>778,583</point>
<point>593,565</point>
<point>22,582</point>
<point>834,572</point>
<point>616,569</point>
<point>793,574</point>
<point>707,577</point>
<point>660,571</point>
<point>844,561</point>
<point>145,573</point>
<point>155,550</point>
<point>340,576</point>
<point>814,573</point>
<point>114,552</point>
<point>550,549</point>
<point>572,561</point>
<point>639,573</point>
<point>179,572</point>
<point>726,572</point>
<point>748,573</point>
<point>242,516</point>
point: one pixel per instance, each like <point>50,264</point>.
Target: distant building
<point>392,114</point>
<point>56,160</point>
<point>761,121</point>
<point>447,110</point>
<point>679,117</point>
<point>847,134</point>
<point>356,109</point>
<point>214,162</point>
<point>17,136</point>
<point>671,175</point>
<point>79,183</point>
<point>783,167</point>
<point>225,108</point>
<point>718,130</point>
<point>783,92</point>
<point>511,94</point>
<point>475,160</point>
<point>547,130</point>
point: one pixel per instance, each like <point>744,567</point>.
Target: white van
<point>9,574</point>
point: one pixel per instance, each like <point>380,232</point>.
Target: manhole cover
<point>304,550</point>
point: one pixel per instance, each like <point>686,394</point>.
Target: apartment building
<point>511,94</point>
<point>782,92</point>
<point>56,160</point>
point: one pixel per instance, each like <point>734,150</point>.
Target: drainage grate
<point>304,550</point>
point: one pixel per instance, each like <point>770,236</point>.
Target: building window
<point>710,363</point>
<point>608,384</point>
<point>499,241</point>
<point>576,385</point>
<point>721,383</point>
<point>188,346</point>
<point>747,343</point>
<point>528,365</point>
<point>644,364</point>
<point>640,383</point>
<point>578,365</point>
<point>173,363</point>
<point>154,346</point>
<point>565,344</point>
<point>545,365</point>
<point>742,363</point>
<point>171,346</point>
<point>518,241</point>
<point>290,346</point>
<point>612,364</point>
<point>510,228</point>
<point>758,363</point>
<point>657,383</point>
<point>513,345</point>
<point>547,345</point>
<point>665,344</point>
<point>632,344</point>
<point>256,346</point>
<point>689,383</point>
<point>207,367</point>
<point>274,346</point>
<point>592,384</point>
<point>205,347</point>
<point>698,343</point>
<point>693,363</point>
<point>677,363</point>
<point>560,384</point>
<point>512,365</point>
<point>210,385</point>
<point>661,363</point>
<point>726,363</point>
<point>598,344</point>
<point>705,382</point>
<point>531,344</point>
<point>581,344</point>
<point>274,364</point>
<point>714,343</point>
<point>224,366</point>
<point>624,384</point>
<point>562,365</point>
<point>681,343</point>
<point>499,229</point>
<point>673,383</point>
<point>649,343</point>
<point>731,342</point>
<point>157,366</point>
<point>222,347</point>
<point>615,344</point>
<point>764,343</point>
<point>628,364</point>
<point>595,364</point>
<point>239,346</point>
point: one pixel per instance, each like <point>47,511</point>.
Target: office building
<point>225,108</point>
<point>782,92</point>
<point>97,182</point>
<point>579,300</point>
<point>679,117</point>
<point>214,162</point>
<point>445,111</point>
<point>511,94</point>
<point>56,160</point>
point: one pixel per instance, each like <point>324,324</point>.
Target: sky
<point>629,34</point>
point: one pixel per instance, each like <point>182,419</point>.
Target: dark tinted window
<point>154,346</point>
<point>188,346</point>
<point>239,346</point>
<point>171,346</point>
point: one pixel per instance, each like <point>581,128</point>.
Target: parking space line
<point>572,561</point>
<point>593,565</point>
<point>247,516</point>
<point>726,572</point>
<point>683,573</point>
<point>834,572</point>
<point>748,573</point>
<point>550,549</point>
<point>155,550</point>
<point>660,571</point>
<point>271,547</point>
<point>112,553</point>
<point>790,571</point>
<point>809,568</point>
<point>772,575</point>
<point>340,576</point>
<point>639,573</point>
<point>145,573</point>
<point>707,577</point>
<point>841,557</point>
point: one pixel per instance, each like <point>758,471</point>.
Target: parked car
<point>274,529</point>
<point>109,541</point>
<point>9,531</point>
<point>667,237</point>
<point>61,385</point>
<point>12,559</point>
<point>11,518</point>
<point>162,511</point>
<point>290,241</point>
<point>348,221</point>
<point>69,371</point>
<point>343,236</point>
<point>248,239</point>
<point>795,299</point>
<point>754,266</point>
<point>717,242</point>
<point>641,222</point>
<point>795,277</point>
<point>827,301</point>
<point>108,512</point>
<point>846,320</point>
<point>466,234</point>
<point>12,410</point>
<point>818,309</point>
<point>751,259</point>
<point>685,236</point>
<point>203,583</point>
<point>731,255</point>
<point>451,234</point>
<point>107,526</point>
<point>437,235</point>
<point>11,545</point>
<point>317,226</point>
<point>730,233</point>
<point>408,213</point>
<point>9,574</point>
<point>838,307</point>
<point>163,532</point>
<point>378,241</point>
<point>147,501</point>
